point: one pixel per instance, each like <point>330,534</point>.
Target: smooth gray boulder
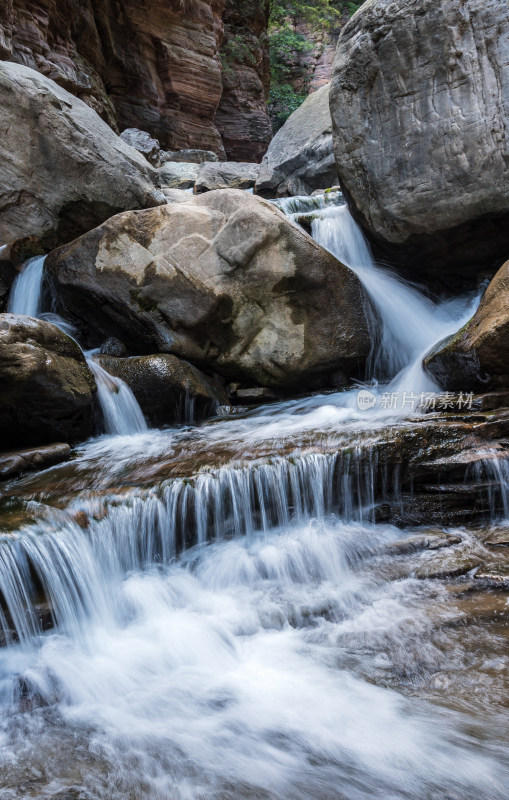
<point>300,157</point>
<point>46,387</point>
<point>226,175</point>
<point>225,281</point>
<point>62,169</point>
<point>189,156</point>
<point>176,175</point>
<point>420,102</point>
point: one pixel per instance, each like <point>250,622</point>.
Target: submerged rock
<point>168,389</point>
<point>226,175</point>
<point>300,158</point>
<point>477,357</point>
<point>419,99</point>
<point>225,281</point>
<point>62,169</point>
<point>46,387</point>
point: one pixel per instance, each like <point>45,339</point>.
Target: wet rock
<point>168,389</point>
<point>17,461</point>
<point>46,387</point>
<point>425,541</point>
<point>498,538</point>
<point>226,175</point>
<point>477,357</point>
<point>419,133</point>
<point>450,567</point>
<point>247,394</point>
<point>224,281</point>
<point>188,156</point>
<point>71,175</point>
<point>300,158</point>
<point>176,175</point>
<point>494,575</point>
<point>144,143</point>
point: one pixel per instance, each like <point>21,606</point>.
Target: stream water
<point>249,631</point>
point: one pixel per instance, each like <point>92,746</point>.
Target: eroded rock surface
<point>419,100</point>
<point>63,170</point>
<point>224,280</point>
<point>46,387</point>
<point>229,175</point>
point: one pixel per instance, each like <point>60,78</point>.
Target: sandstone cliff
<point>152,65</point>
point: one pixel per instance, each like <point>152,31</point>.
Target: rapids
<point>211,613</point>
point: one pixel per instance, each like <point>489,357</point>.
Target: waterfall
<point>121,411</point>
<point>25,297</point>
<point>411,323</point>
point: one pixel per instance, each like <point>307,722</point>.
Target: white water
<point>262,666</point>
<point>121,411</point>
<point>25,297</point>
<point>411,323</point>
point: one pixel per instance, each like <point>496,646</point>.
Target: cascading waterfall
<point>121,411</point>
<point>246,631</point>
<point>411,323</point>
<point>25,297</point>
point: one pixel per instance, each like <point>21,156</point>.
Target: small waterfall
<point>25,297</point>
<point>411,323</point>
<point>121,411</point>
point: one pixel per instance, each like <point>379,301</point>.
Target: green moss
<point>144,303</point>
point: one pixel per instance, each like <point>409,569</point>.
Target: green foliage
<point>283,101</point>
<point>286,45</point>
<point>236,51</point>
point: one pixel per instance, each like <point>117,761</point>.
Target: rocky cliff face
<point>419,101</point>
<point>151,65</point>
<point>242,117</point>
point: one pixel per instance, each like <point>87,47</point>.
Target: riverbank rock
<point>144,143</point>
<point>224,281</point>
<point>226,175</point>
<point>16,462</point>
<point>300,158</point>
<point>477,357</point>
<point>62,169</point>
<point>188,156</point>
<point>419,99</point>
<point>168,389</point>
<point>46,387</point>
<point>178,175</point>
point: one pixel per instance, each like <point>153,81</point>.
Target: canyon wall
<point>152,65</point>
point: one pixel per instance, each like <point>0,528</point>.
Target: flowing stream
<point>121,412</point>
<point>188,618</point>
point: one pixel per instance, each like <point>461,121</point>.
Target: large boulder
<point>46,387</point>
<point>225,281</point>
<point>62,169</point>
<point>144,143</point>
<point>477,357</point>
<point>226,175</point>
<point>168,389</point>
<point>178,175</point>
<point>420,101</point>
<point>300,158</point>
